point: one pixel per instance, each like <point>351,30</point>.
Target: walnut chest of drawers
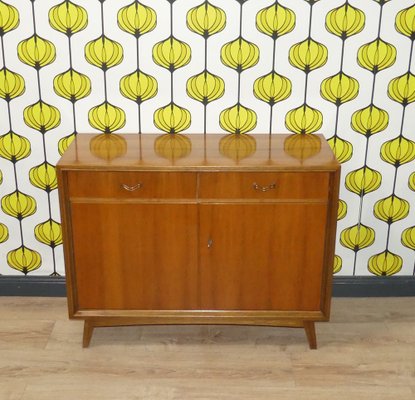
<point>214,229</point>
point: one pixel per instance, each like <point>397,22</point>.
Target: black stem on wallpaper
<point>21,231</point>
<point>309,37</point>
<point>239,71</point>
<point>102,38</point>
<point>393,195</point>
<point>240,19</point>
<point>171,70</point>
<point>9,115</point>
<point>336,123</point>
<point>53,249</point>
<point>15,175</point>
<point>70,51</point>
<point>71,67</point>
<point>33,17</point>
<point>309,20</point>
<point>3,56</point>
<point>274,61</point>
<point>204,103</point>
<point>137,45</point>
<point>75,131</point>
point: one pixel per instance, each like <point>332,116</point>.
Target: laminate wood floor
<point>367,352</point>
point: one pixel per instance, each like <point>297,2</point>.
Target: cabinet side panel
<point>135,256</point>
<point>330,243</point>
<point>67,240</point>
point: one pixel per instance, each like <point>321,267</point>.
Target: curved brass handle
<point>264,188</point>
<point>131,188</point>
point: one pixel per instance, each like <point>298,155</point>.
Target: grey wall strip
<point>348,286</point>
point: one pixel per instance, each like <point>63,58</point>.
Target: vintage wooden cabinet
<point>214,229</point>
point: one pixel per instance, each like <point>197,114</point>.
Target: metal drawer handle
<point>264,188</point>
<point>131,188</point>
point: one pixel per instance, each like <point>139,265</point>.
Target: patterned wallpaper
<point>342,68</point>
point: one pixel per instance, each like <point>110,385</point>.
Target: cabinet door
<point>134,256</point>
<point>266,256</point>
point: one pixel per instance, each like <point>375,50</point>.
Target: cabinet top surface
<point>199,152</point>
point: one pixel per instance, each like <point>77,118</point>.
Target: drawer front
<point>264,185</point>
<point>132,184</point>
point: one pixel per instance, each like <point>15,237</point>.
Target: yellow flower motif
<point>24,259</point>
<point>275,20</point>
<point>337,265</point>
<point>342,149</point>
<point>363,180</point>
<point>342,210</point>
<point>205,87</point>
<point>12,85</point>
<point>107,146</point>
<point>304,119</point>
<point>49,233</point>
<point>72,85</point>
<point>9,18</point>
<point>405,22</point>
<point>172,118</point>
<point>376,56</point>
<point>237,146</point>
<point>339,89</point>
<point>308,55</point>
<point>36,52</point>
<point>206,19</point>
<point>411,181</point>
<point>385,264</point>
<point>171,53</point>
<point>272,88</point>
<point>103,52</point>
<point>106,117</point>
<point>172,147</point>
<point>14,147</point>
<point>65,142</point>
<point>68,18</point>
<point>345,21</point>
<point>402,89</point>
<point>4,233</point>
<point>138,86</point>
<point>391,209</point>
<point>18,205</point>
<point>239,54</point>
<point>43,176</point>
<point>357,237</point>
<point>398,151</point>
<point>41,116</point>
<point>137,19</point>
<point>302,147</point>
<point>370,120</point>
<point>408,238</point>
<point>238,119</point>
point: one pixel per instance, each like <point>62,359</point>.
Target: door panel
<point>262,256</point>
<point>135,256</point>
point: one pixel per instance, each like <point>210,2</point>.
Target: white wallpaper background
<point>341,68</point>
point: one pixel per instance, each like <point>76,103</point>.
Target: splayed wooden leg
<point>311,334</point>
<point>88,330</point>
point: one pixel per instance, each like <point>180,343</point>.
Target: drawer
<point>132,184</point>
<point>264,185</point>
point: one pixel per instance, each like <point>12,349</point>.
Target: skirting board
<point>343,286</point>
